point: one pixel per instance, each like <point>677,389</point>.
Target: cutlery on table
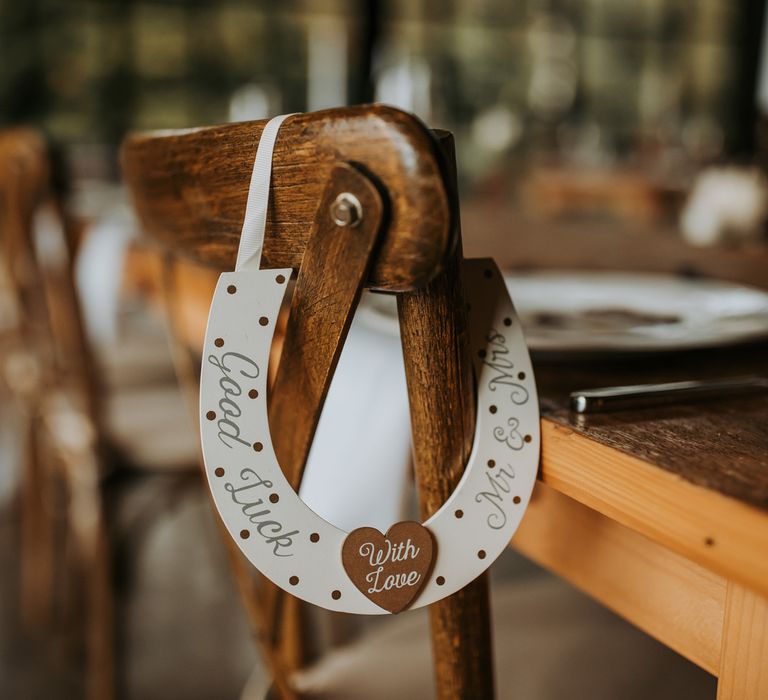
<point>617,398</point>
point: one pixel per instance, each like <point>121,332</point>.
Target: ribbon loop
<point>255,220</point>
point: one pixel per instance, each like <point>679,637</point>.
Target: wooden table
<point>660,514</point>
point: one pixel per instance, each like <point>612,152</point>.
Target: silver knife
<point>617,398</point>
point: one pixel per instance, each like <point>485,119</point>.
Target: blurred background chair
<point>98,424</point>
<point>50,374</point>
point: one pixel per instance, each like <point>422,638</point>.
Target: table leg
<point>744,660</point>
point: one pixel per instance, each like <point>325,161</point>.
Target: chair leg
<point>100,622</point>
<point>293,648</point>
<point>256,608</point>
<point>438,372</point>
<point>92,555</point>
<point>37,541</point>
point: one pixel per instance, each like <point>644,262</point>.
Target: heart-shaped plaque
<point>389,569</point>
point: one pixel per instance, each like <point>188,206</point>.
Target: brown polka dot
<point>481,354</point>
<point>481,554</point>
<point>293,580</point>
<point>314,537</point>
<point>258,446</point>
<point>527,438</point>
<point>521,375</point>
<point>709,541</point>
<point>252,394</point>
<point>280,279</point>
<point>440,580</point>
<point>218,342</point>
<point>516,500</point>
<point>459,513</point>
<point>231,289</point>
<point>263,321</point>
<point>336,595</point>
<point>245,534</point>
<point>493,409</point>
<point>219,471</point>
<point>507,321</point>
<point>488,274</point>
<point>491,463</point>
<point>273,498</point>
<point>211,415</point>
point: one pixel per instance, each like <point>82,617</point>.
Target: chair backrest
<point>23,180</point>
<point>190,189</point>
<point>37,248</point>
<point>47,361</point>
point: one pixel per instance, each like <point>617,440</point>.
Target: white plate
<point>615,312</point>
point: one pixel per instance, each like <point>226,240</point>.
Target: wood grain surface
<point>719,444</point>
<point>409,566</point>
<point>433,328</point>
<point>331,278</point>
<point>744,664</point>
<point>190,187</point>
<point>721,534</point>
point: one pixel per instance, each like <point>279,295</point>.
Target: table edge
<point>722,534</point>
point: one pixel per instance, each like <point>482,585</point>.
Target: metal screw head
<point>346,210</point>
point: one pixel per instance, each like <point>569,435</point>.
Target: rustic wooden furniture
<point>661,515</point>
<point>629,504</point>
<point>189,190</point>
<point>74,445</point>
<point>49,371</point>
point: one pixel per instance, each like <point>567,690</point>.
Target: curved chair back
<point>190,189</point>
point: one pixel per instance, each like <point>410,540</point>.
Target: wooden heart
<point>389,569</point>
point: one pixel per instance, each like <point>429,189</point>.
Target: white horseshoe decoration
<point>297,549</point>
<point>290,544</point>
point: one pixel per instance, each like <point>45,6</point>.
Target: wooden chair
<point>73,449</point>
<point>189,190</point>
<point>49,372</point>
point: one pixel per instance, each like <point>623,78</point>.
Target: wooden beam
<point>719,533</point>
<point>335,265</point>
<point>674,600</point>
<point>744,664</point>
